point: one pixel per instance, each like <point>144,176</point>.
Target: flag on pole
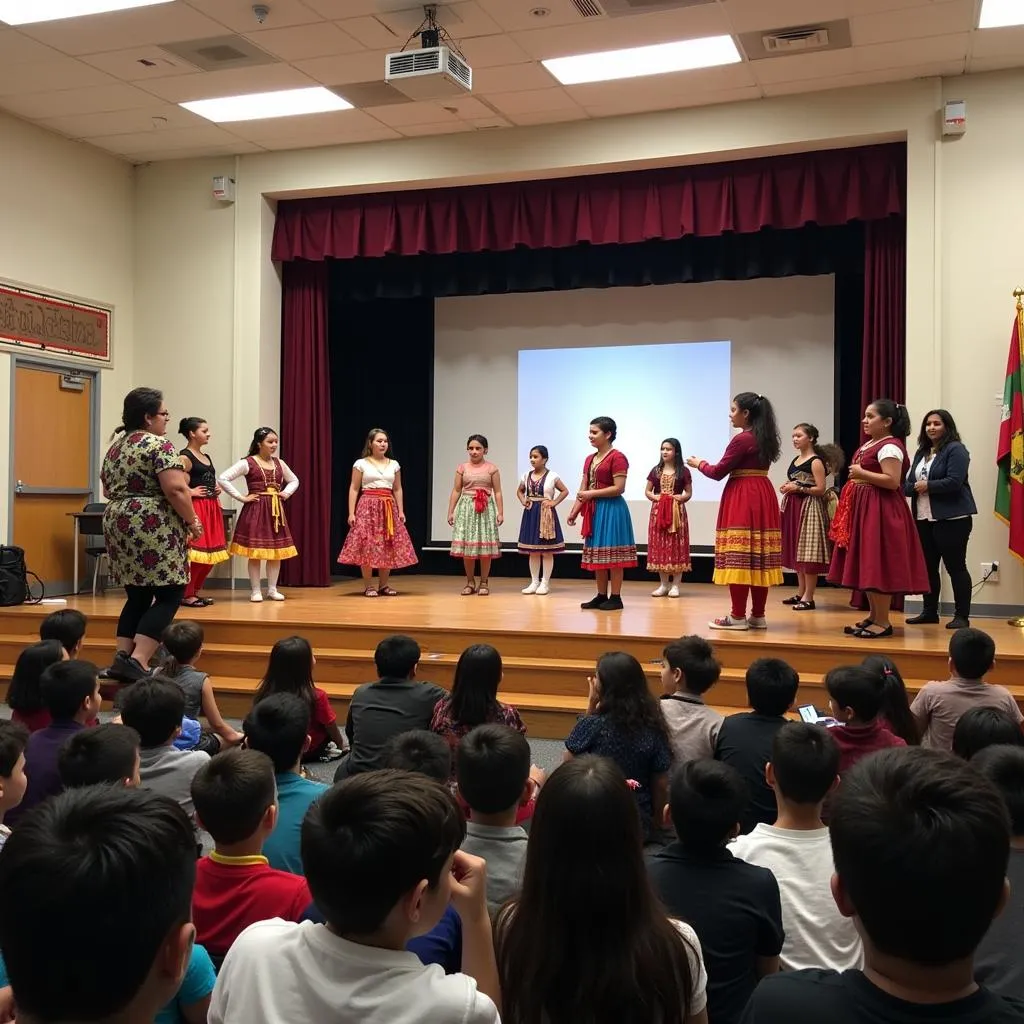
<point>1010,453</point>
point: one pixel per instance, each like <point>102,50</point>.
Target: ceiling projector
<point>431,73</point>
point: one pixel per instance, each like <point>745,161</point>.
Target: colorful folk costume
<point>211,548</point>
<point>378,538</point>
<point>261,532</point>
<point>540,532</point>
<point>805,522</point>
<point>668,532</point>
<point>876,543</point>
<point>607,529</point>
<point>475,533</point>
<point>748,535</point>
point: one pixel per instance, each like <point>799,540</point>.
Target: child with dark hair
<point>855,698</point>
<point>236,802</point>
<point>106,868</point>
<point>107,754</point>
<point>13,782</point>
<point>921,843</point>
<point>394,704</point>
<point>153,707</point>
<point>689,669</point>
<point>984,727</point>
<point>797,850</point>
<point>475,511</point>
<point>745,739</point>
<point>67,625</point>
<point>24,694</point>
<point>420,751</point>
<point>279,727</point>
<point>997,963</point>
<point>939,705</point>
<point>733,906</point>
<point>382,857</point>
<point>492,767</point>
<point>71,694</point>
<point>895,713</point>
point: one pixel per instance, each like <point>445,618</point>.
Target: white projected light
<point>29,12</point>
<point>259,105</point>
<point>660,59</point>
<point>1001,13</point>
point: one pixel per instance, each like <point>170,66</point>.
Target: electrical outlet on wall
<point>990,572</point>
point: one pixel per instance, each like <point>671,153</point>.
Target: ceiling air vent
<point>219,53</point>
<point>786,42</point>
<point>588,8</point>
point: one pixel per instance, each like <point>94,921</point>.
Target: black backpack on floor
<point>14,588</point>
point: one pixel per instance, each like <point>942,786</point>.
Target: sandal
<point>867,634</point>
<point>795,599</point>
<point>803,606</point>
<point>484,590</point>
<point>388,592</point>
<point>195,602</point>
<point>370,592</point>
<point>857,626</point>
<point>469,589</point>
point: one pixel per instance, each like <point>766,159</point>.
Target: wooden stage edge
<point>548,643</point>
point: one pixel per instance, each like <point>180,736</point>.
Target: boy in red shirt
<point>855,697</point>
<point>235,797</point>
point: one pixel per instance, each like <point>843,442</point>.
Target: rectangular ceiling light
<point>1000,13</point>
<point>29,12</point>
<point>259,105</point>
<point>686,55</point>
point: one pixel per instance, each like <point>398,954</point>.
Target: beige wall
<point>66,212</point>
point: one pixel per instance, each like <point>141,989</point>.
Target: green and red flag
<point>1010,453</point>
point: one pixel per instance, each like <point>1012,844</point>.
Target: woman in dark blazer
<point>943,507</point>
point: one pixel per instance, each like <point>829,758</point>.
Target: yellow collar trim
<point>220,858</point>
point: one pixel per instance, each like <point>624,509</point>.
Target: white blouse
<point>375,478</point>
<point>924,503</point>
<point>241,468</point>
<point>549,483</point>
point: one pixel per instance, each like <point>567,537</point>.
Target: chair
<point>97,552</point>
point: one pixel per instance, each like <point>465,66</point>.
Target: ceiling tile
<point>860,78</point>
<point>78,101</point>
<point>908,24</point>
<point>303,41</point>
<point>367,66</point>
<point>998,42</point>
<point>755,15</point>
<point>165,23</point>
<point>127,64</point>
<point>515,16</point>
<point>467,107</point>
<point>873,6</point>
<point>920,51</point>
<point>401,115</point>
<point>493,51</point>
<point>122,122</point>
<point>238,17</point>
<point>980,64</point>
<point>62,73</point>
<point>512,78</point>
<point>629,105</point>
<point>18,48</point>
<point>168,140</point>
<point>528,117</point>
<point>237,148</point>
<point>804,67</point>
<point>441,128</point>
<point>231,82</point>
<point>461,20</point>
<point>371,32</point>
<point>339,9</point>
<point>532,100</point>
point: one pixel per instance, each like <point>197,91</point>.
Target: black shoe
<point>924,619</point>
<point>613,604</point>
<point>795,599</point>
<point>126,669</point>
<point>596,601</point>
<point>958,622</point>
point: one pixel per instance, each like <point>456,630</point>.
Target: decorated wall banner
<point>32,320</point>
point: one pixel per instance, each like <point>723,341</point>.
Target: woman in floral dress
<point>147,524</point>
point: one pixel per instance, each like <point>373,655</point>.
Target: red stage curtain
<point>306,420</point>
<point>884,356</point>
<point>826,188</point>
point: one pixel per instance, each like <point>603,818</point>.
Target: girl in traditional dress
<point>262,533</point>
<point>475,511</point>
<point>806,515</point>
<point>748,536</point>
<point>377,537</point>
<point>877,549</point>
<point>211,548</point>
<point>669,488</point>
<point>608,544</point>
<point>540,492</point>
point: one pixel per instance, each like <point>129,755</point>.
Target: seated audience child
<point>745,739</point>
<point>420,751</point>
<point>13,737</point>
<point>67,625</point>
<point>688,670</point>
<point>587,939</point>
<point>71,693</point>
<point>109,753</point>
<point>492,769</point>
<point>396,703</point>
<point>624,722</point>
<point>984,727</point>
<point>235,798</point>
<point>798,852</point>
<point>855,699</point>
<point>153,707</point>
<point>191,1003</point>
<point>382,857</point>
<point>183,641</point>
<point>24,694</point>
<point>895,713</point>
<point>998,964</point>
<point>733,906</point>
<point>109,870</point>
<point>279,728</point>
<point>939,705</point>
<point>290,670</point>
<point>920,842</point>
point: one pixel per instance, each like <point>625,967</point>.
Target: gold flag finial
<point>1018,293</point>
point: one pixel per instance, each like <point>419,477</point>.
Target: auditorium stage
<point>548,644</point>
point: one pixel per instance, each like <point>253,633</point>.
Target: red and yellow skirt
<point>212,547</point>
<point>748,536</point>
<point>262,529</point>
<point>378,538</point>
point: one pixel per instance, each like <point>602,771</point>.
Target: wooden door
<point>52,469</point>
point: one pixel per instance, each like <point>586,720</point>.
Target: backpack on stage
<point>14,588</point>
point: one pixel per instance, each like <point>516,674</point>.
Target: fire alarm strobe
<point>954,118</point>
<point>224,188</point>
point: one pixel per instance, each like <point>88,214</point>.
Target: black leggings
<point>149,610</point>
<point>946,541</point>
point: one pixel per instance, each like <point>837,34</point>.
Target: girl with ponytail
<point>877,549</point>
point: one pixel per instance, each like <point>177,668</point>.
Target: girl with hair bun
<point>261,533</point>
<point>877,549</point>
<point>540,492</point>
<point>475,511</point>
<point>806,514</point>
<point>748,536</point>
<point>211,548</point>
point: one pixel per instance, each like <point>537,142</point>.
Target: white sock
<point>666,578</point>
<point>273,572</point>
<point>547,566</point>
<point>535,567</point>
<point>254,575</point>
